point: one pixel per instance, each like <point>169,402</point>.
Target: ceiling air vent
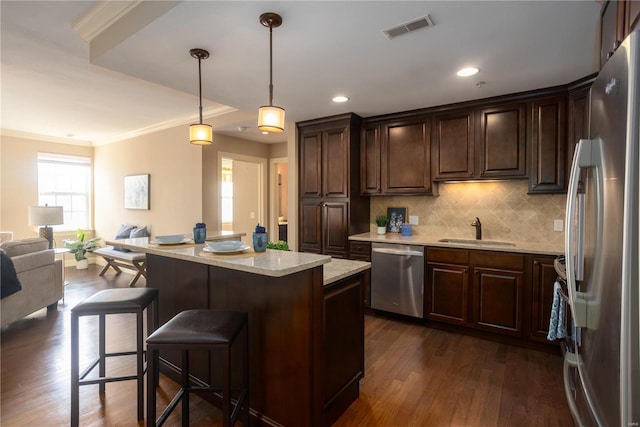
<point>408,27</point>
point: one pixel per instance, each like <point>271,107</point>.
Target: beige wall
<point>504,208</point>
<point>19,181</point>
<point>175,184</point>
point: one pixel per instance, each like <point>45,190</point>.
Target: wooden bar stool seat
<point>110,301</point>
<point>211,330</point>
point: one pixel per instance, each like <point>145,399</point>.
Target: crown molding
<point>102,16</point>
<point>46,138</point>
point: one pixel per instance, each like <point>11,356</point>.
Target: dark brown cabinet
<point>396,156</point>
<point>498,291</point>
<point>331,207</point>
<point>548,145</point>
<point>453,146</point>
<point>446,293</point>
<point>543,279</point>
<point>477,289</point>
<point>577,122</point>
<point>370,151</point>
<point>486,143</point>
<point>502,141</point>
<point>360,251</point>
<point>617,20</point>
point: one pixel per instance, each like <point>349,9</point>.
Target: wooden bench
<point>135,261</point>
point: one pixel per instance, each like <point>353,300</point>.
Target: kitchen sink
<point>476,242</point>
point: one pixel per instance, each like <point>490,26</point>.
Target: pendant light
<point>270,117</point>
<point>200,134</point>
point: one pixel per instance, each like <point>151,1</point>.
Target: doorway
<point>278,198</point>
<point>242,193</point>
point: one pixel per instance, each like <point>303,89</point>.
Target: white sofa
<point>40,276</point>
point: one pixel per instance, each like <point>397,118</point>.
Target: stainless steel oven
<point>397,278</point>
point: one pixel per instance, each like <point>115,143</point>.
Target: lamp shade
<point>46,215</point>
<point>271,118</point>
<point>201,134</point>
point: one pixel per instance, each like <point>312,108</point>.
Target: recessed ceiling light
<point>340,98</point>
<point>264,132</point>
<point>466,72</point>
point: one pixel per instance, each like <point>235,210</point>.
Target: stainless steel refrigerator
<point>602,373</point>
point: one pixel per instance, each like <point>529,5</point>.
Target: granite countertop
<point>520,247</point>
<point>270,263</point>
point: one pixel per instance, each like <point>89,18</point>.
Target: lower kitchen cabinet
<point>498,291</point>
<point>324,227</point>
<point>543,278</point>
<point>447,286</point>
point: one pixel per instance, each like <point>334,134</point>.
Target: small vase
<point>382,230</point>
<point>82,264</point>
<point>260,241</point>
<point>199,235</point>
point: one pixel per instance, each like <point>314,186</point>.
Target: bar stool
<point>212,330</point>
<point>110,301</point>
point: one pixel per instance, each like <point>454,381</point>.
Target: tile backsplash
<point>505,210</point>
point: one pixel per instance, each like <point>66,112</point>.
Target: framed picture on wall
<point>136,192</point>
<point>395,218</point>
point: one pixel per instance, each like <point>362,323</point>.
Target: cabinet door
<point>370,180</point>
<point>577,124</point>
<point>548,145</point>
<point>544,276</point>
<point>446,293</point>
<point>610,29</point>
<point>406,157</point>
<point>453,146</point>
<point>632,15</point>
<point>503,141</point>
<point>498,300</point>
<point>310,226</point>
<point>335,162</point>
<point>311,164</point>
<point>335,229</point>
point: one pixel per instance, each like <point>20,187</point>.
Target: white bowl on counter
<point>170,238</point>
<point>227,245</point>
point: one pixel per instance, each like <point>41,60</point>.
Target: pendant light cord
<point>200,87</point>
<point>270,64</point>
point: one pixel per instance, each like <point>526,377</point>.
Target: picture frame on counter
<point>396,217</point>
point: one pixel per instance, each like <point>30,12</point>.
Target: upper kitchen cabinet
<point>485,143</point>
<point>617,20</point>
<point>326,153</point>
<point>502,141</point>
<point>453,146</point>
<point>548,145</point>
<point>370,150</point>
<point>406,157</point>
<point>396,156</point>
<point>331,207</point>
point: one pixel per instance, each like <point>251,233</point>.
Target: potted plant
<point>381,222</point>
<point>79,248</point>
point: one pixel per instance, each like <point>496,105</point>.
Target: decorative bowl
<point>170,238</point>
<point>228,245</point>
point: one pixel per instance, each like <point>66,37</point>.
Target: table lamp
<point>46,215</point>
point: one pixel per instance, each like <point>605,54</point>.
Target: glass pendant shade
<point>271,118</point>
<point>200,134</point>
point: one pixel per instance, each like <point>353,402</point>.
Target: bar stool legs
<point>212,330</point>
<point>111,301</point>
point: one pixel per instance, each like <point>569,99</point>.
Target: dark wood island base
<point>306,339</point>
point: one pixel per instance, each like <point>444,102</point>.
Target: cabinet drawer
<point>453,256</point>
<point>360,248</point>
<point>498,260</point>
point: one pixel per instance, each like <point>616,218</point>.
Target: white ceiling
<point>142,78</point>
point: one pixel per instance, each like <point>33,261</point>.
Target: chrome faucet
<point>478,227</point>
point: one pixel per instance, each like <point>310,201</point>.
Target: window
<point>66,181</point>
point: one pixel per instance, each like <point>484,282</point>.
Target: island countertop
<point>272,263</point>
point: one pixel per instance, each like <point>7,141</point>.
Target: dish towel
<point>557,329</point>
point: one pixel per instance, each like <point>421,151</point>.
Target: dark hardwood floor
<point>415,376</point>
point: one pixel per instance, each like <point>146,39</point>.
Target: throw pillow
<point>9,283</point>
<point>139,232</point>
<point>124,232</point>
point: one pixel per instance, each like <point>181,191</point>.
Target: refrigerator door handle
<point>587,155</point>
<point>571,361</point>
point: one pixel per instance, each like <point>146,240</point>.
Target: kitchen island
<point>306,324</point>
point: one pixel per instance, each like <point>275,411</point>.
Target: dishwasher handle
<point>402,252</point>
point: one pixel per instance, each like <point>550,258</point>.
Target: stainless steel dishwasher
<point>397,278</point>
